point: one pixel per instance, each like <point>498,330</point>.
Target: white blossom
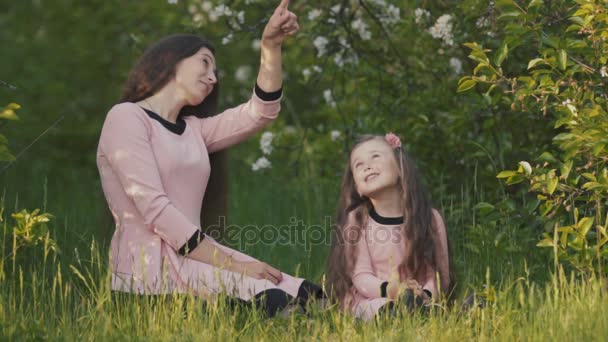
<point>456,65</point>
<point>526,166</point>
<point>266,142</point>
<point>421,15</point>
<point>335,135</point>
<point>317,68</point>
<point>329,98</point>
<point>207,6</point>
<point>331,21</point>
<point>227,39</point>
<point>222,10</point>
<point>255,44</point>
<point>261,163</point>
<point>306,73</point>
<point>570,105</point>
<point>197,18</point>
<point>172,1</point>
<point>361,27</point>
<point>443,29</point>
<point>320,43</point>
<point>314,14</point>
<point>241,17</point>
<point>482,22</point>
<point>393,15</point>
<point>336,9</point>
<point>243,73</point>
<point>603,72</point>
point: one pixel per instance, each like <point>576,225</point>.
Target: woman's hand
<point>258,270</point>
<point>281,24</point>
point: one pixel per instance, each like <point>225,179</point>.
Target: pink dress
<point>379,251</point>
<point>154,174</point>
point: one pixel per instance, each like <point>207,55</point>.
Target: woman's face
<point>374,167</point>
<point>195,76</point>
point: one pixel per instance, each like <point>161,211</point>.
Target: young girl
<point>389,243</point>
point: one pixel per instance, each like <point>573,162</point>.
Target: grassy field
<point>65,296</point>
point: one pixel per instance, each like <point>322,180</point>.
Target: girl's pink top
<point>380,251</point>
<point>154,180</point>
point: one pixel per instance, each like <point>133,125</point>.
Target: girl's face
<point>195,76</point>
<point>374,167</point>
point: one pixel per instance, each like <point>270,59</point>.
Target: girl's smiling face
<point>374,167</point>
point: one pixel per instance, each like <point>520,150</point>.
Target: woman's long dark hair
<point>157,66</point>
<point>154,69</point>
<point>351,215</point>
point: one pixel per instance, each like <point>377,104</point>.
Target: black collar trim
<point>178,128</point>
<point>385,220</point>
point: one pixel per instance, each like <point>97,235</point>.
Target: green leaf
<point>584,225</point>
<point>8,114</point>
<point>466,85</point>
<point>515,179</point>
<point>590,176</point>
<point>479,67</point>
<point>545,243</point>
<point>511,14</point>
<point>598,148</point>
<point>506,174</point>
<point>484,207</point>
<point>552,185</point>
<point>566,168</point>
<point>534,62</point>
<point>535,3</point>
<point>577,20</point>
<point>503,51</point>
<point>547,157</point>
<point>562,59</point>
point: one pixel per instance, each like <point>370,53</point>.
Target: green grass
<point>66,296</point>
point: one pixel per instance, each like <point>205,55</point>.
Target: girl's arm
<point>363,276</point>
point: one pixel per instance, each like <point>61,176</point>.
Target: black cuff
<point>428,293</point>
<point>275,95</point>
<point>383,289</point>
<point>193,241</point>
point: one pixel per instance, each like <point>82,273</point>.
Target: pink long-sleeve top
<point>381,249</point>
<point>154,174</point>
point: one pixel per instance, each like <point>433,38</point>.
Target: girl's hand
<point>415,287</point>
<point>259,270</point>
<point>395,289</point>
<point>281,24</point>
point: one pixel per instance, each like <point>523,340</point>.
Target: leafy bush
<point>557,72</point>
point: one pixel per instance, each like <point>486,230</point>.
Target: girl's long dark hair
<point>419,227</point>
<point>154,69</point>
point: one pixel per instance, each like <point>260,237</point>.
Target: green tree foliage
<point>557,72</point>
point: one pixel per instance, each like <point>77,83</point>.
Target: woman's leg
<point>299,288</point>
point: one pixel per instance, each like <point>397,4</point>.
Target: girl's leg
<point>409,301</point>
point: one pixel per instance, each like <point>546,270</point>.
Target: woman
<point>153,159</point>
